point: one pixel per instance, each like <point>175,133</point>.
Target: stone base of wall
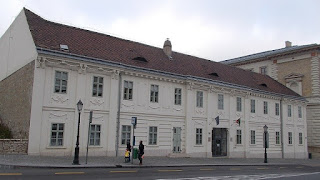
<point>13,146</point>
<point>315,151</point>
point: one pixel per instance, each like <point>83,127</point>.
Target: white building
<point>46,68</point>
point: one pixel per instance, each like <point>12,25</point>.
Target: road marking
<point>235,169</point>
<point>208,169</point>
<point>122,171</point>
<point>282,167</point>
<point>60,173</point>
<point>170,170</point>
<point>262,168</point>
<point>10,174</point>
<point>299,167</point>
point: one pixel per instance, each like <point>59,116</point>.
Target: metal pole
<point>132,144</point>
<point>76,150</point>
<point>265,147</point>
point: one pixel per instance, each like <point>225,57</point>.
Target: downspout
<point>118,114</point>
<point>281,126</point>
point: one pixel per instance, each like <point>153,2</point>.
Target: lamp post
<point>265,128</point>
<point>76,150</point>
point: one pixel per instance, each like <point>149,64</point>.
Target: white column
<point>189,114</point>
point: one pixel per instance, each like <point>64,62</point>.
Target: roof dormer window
<point>214,74</point>
<point>142,59</point>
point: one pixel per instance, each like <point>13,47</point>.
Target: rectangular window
<point>239,104</point>
<point>61,82</point>
<point>253,137</point>
<point>95,131</point>
<point>300,138</point>
<point>277,109</point>
<point>56,138</point>
<point>299,112</point>
<point>198,136</point>
<point>154,93</point>
<point>97,86</point>
<point>263,70</point>
<point>177,96</point>
<point>153,135</point>
<point>289,110</point>
<point>220,101</point>
<point>239,136</point>
<point>277,137</point>
<point>290,137</point>
<point>125,134</point>
<point>253,106</point>
<point>265,107</point>
<point>199,99</point>
<point>127,90</point>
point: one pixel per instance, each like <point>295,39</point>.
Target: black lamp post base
<point>76,157</point>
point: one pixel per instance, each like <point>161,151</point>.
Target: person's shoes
<point>140,164</point>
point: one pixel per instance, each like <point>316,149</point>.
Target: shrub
<point>5,132</point>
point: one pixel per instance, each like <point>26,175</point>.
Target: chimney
<point>288,44</point>
<point>167,48</point>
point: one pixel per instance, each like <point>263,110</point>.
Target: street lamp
<point>76,150</point>
<point>265,128</point>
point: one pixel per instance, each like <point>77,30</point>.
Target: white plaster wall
<point>49,107</point>
<point>16,47</point>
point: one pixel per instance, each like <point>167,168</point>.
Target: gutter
<point>157,72</point>
<point>118,115</point>
<point>281,129</point>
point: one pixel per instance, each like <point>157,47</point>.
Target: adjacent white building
<point>176,98</point>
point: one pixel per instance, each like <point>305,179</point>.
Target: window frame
<point>177,96</point>
<point>300,138</point>
<point>56,138</point>
<point>153,135</point>
<point>265,107</point>
<point>253,106</point>
<point>125,134</point>
<point>199,99</point>
<point>290,138</point>
<point>239,104</point>
<point>220,101</point>
<point>263,70</point>
<point>277,109</point>
<point>61,79</point>
<point>253,137</point>
<point>278,137</point>
<point>127,90</point>
<point>154,93</point>
<point>239,137</point>
<point>96,135</point>
<point>299,112</point>
<point>199,136</point>
<point>99,86</point>
<point>289,110</point>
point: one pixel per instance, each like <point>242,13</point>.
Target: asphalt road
<point>190,173</point>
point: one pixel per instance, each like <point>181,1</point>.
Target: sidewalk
<point>13,161</point>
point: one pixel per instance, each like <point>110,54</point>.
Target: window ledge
<point>198,145</point>
<point>56,147</point>
<point>152,145</point>
<point>95,147</point>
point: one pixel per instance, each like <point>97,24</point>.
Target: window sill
<point>56,147</point>
<point>152,145</point>
<point>198,145</point>
<point>94,147</point>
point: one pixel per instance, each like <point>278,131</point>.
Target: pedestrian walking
<point>141,152</point>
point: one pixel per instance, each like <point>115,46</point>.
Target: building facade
<point>296,67</point>
<point>185,106</point>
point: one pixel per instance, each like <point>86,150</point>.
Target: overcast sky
<point>211,29</point>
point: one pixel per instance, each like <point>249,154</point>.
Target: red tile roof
<point>50,35</point>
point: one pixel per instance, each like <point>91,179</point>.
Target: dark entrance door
<point>219,142</point>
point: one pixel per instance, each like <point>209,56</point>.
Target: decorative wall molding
<point>59,99</point>
<point>154,107</point>
<point>59,116</point>
<point>96,102</point>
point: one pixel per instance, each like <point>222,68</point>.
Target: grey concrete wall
<point>13,146</point>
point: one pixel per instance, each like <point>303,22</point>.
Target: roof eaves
<point>157,72</point>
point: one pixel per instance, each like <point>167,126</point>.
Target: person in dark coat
<point>141,152</point>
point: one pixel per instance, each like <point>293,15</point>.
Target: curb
<point>16,166</point>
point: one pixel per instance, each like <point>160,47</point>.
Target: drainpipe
<point>281,125</point>
<point>118,114</point>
